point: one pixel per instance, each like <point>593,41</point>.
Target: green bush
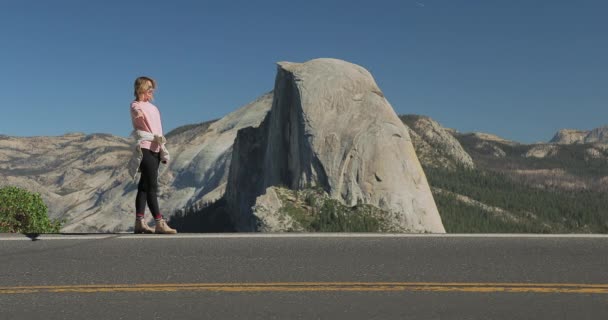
<point>335,217</point>
<point>24,212</point>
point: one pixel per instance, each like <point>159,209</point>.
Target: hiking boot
<point>162,227</point>
<point>142,227</point>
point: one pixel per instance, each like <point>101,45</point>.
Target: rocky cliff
<point>331,127</point>
<point>570,136</point>
<point>436,145</point>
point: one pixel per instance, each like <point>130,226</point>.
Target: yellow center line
<point>320,286</point>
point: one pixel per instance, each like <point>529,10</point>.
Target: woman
<point>146,122</point>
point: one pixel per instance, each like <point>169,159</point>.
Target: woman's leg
<point>148,184</point>
<point>149,189</point>
<point>143,190</point>
<point>140,203</point>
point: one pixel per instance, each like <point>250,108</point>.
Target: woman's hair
<point>143,84</point>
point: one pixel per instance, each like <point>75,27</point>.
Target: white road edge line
<point>356,235</point>
<point>125,236</point>
<point>24,238</point>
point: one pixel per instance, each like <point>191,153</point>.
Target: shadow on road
<point>33,236</point>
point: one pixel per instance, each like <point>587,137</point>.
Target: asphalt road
<point>303,277</point>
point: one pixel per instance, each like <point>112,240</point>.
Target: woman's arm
<point>139,120</point>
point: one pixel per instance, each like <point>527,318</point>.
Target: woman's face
<point>149,94</point>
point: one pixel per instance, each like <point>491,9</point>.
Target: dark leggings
<point>147,190</point>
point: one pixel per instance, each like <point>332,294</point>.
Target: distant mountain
<point>83,179</point>
<point>480,182</point>
<point>569,136</point>
<point>514,187</point>
<point>580,166</point>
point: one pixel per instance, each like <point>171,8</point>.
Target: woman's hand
<point>160,139</point>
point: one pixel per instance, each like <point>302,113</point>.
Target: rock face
<point>597,135</point>
<point>541,151</point>
<point>267,212</point>
<point>569,136</point>
<point>491,138</point>
<point>436,145</point>
<point>331,127</point>
<point>201,155</point>
<point>484,143</point>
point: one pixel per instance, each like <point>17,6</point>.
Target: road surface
<point>303,276</point>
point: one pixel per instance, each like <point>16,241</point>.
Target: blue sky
<point>518,69</point>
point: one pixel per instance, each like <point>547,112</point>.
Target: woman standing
<point>146,121</point>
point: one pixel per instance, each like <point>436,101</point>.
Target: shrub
<point>24,212</point>
<point>335,217</point>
